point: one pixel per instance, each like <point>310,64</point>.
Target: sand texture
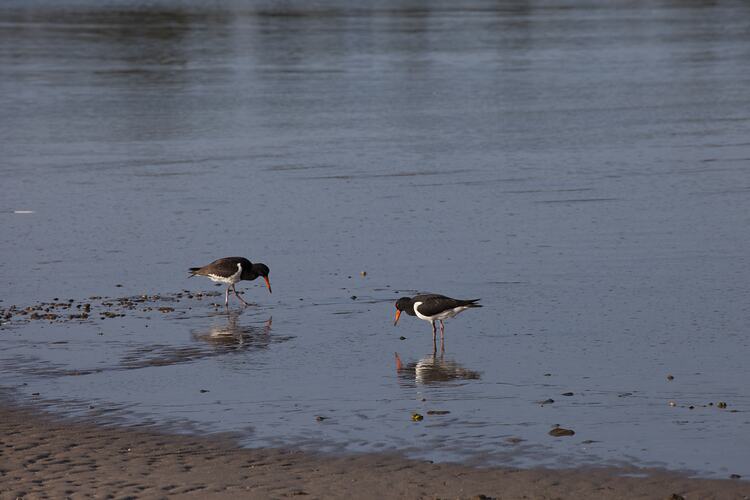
<point>42,457</point>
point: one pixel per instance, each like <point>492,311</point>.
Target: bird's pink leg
<point>442,337</point>
<point>238,296</point>
<point>226,298</point>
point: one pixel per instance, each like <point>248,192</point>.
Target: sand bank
<point>41,456</point>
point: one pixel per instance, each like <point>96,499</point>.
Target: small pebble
<point>363,273</point>
<point>320,418</point>
<point>560,432</point>
<point>416,417</point>
<point>353,297</point>
<point>204,390</point>
<point>672,403</point>
<point>402,337</point>
<point>566,394</point>
<point>670,377</point>
<point>721,404</point>
<point>734,476</point>
<point>438,412</point>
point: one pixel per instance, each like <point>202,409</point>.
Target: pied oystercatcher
<point>433,307</point>
<point>231,270</point>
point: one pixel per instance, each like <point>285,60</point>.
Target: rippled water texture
<point>583,167</point>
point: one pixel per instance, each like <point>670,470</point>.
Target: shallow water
<point>583,168</point>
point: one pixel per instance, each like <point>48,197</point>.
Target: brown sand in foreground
<point>44,457</point>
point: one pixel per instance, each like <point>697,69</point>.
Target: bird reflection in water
<point>232,335</point>
<point>434,369</point>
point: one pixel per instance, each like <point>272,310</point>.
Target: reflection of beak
<point>268,284</point>
<point>398,315</point>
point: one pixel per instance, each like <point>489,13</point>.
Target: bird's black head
<point>404,304</point>
<point>262,270</point>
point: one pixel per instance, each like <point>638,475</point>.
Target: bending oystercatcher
<point>433,307</point>
<point>231,270</point>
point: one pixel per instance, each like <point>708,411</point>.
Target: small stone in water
<point>438,412</point>
<point>672,403</point>
<point>416,417</point>
<point>560,432</point>
<point>363,273</point>
<point>734,476</point>
<point>320,418</point>
<point>721,404</point>
<point>402,337</point>
<point>566,394</point>
<point>670,377</point>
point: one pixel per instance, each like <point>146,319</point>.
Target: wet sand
<point>42,457</point>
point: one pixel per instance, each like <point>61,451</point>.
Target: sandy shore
<point>43,457</point>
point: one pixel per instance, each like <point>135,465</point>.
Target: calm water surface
<point>583,167</point>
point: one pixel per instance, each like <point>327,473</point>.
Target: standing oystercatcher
<point>231,270</point>
<point>433,307</point>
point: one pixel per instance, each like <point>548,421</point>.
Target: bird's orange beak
<point>268,284</point>
<point>398,315</point>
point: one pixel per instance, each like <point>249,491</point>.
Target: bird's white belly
<point>227,280</point>
<point>439,316</point>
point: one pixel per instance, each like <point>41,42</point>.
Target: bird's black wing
<point>224,267</point>
<point>434,303</point>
